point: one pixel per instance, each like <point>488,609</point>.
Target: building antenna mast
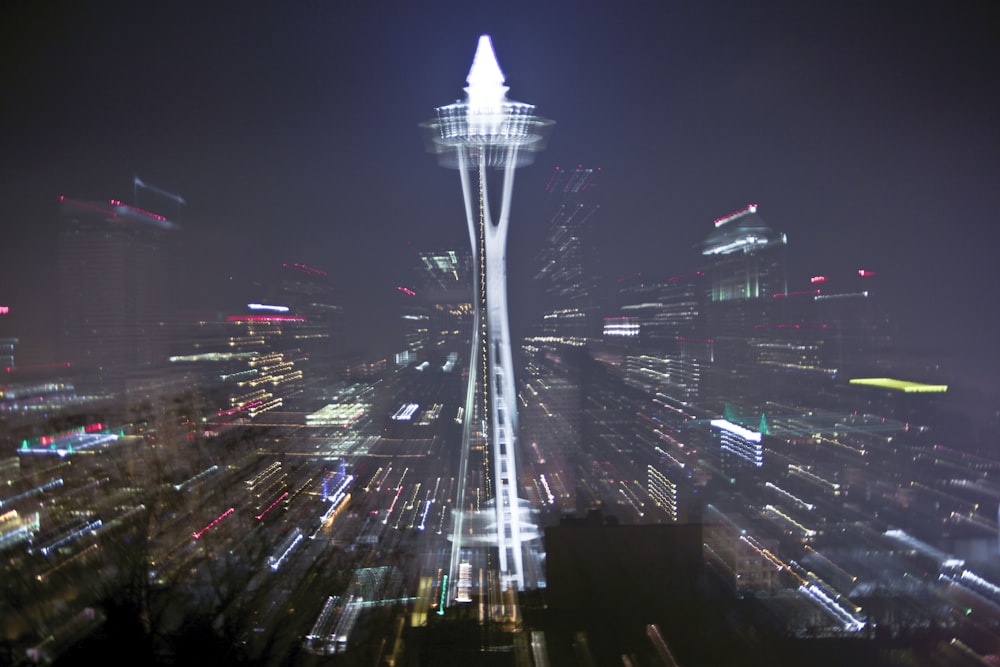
<point>139,183</point>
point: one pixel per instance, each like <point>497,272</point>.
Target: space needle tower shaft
<point>486,137</point>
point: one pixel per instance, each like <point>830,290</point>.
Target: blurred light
<point>749,208</point>
<point>264,306</point>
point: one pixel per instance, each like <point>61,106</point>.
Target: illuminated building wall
<point>744,266</point>
<point>666,310</point>
<point>265,369</point>
<point>437,308</point>
<point>266,489</point>
<point>745,258</point>
<point>551,421</point>
<point>486,137</point>
<point>669,349</point>
<point>114,281</point>
<point>858,335</point>
<point>740,444</point>
<point>7,347</point>
<point>663,491</point>
<point>815,337</point>
<point>310,292</point>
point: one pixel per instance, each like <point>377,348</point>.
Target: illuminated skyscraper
<point>437,315</point>
<point>744,268</point>
<point>568,259</point>
<point>486,137</point>
<point>745,258</point>
<point>114,289</point>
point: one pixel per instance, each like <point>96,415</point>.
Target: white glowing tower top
<point>486,119</point>
<point>486,92</point>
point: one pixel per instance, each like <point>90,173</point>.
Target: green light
<point>764,428</point>
<point>444,593</point>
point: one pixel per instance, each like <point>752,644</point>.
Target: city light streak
<point>322,623</point>
<point>807,533</point>
<point>668,438</point>
<point>302,489</point>
<point>409,506</point>
<point>341,488</point>
<point>286,547</point>
<point>861,451</point>
<point>345,625</point>
<point>423,516</point>
<point>662,491</point>
<point>853,578</point>
<point>269,307</point>
<point>405,412</point>
<point>80,555</point>
<point>441,518</point>
<point>631,498</point>
<point>277,500</point>
<point>402,478</point>
<point>197,535</point>
<point>729,217</point>
<point>264,319</point>
<point>920,546</point>
<point>795,499</point>
<point>196,478</point>
<point>549,497</point>
<point>442,602</point>
<point>560,486</point>
<point>14,529</point>
<point>901,385</point>
<point>770,557</point>
<point>33,491</point>
<point>373,484</point>
<point>65,444</point>
<point>800,471</point>
<point>968,580</point>
<point>670,457</point>
<point>336,503</point>
<point>395,499</point>
<point>656,637</point>
<point>850,622</point>
<point>88,529</point>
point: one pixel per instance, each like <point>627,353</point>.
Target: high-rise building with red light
<point>114,288</point>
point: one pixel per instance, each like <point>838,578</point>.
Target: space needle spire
<point>486,137</point>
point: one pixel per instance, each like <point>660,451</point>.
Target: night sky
<point>866,131</point>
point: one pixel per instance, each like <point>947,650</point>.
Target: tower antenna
<point>138,183</point>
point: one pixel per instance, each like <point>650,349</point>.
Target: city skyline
<point>310,418</point>
<point>862,133</point>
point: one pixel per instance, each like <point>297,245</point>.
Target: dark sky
<point>867,131</point>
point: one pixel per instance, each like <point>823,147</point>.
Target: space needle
<point>486,137</point>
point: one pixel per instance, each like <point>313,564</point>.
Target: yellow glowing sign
<point>902,385</point>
